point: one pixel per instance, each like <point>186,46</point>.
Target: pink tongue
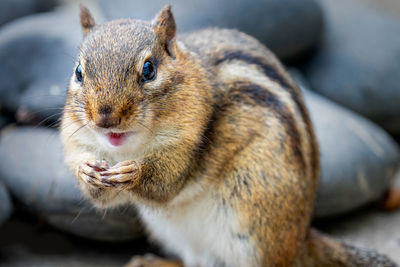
<point>116,139</point>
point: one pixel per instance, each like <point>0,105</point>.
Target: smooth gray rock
<point>5,204</point>
<point>288,27</point>
<point>37,55</point>
<point>369,228</point>
<point>4,120</point>
<point>31,165</point>
<point>358,158</point>
<point>357,64</point>
<point>12,9</point>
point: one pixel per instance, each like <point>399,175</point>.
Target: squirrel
<point>207,135</point>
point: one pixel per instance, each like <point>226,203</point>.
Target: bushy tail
<point>320,250</point>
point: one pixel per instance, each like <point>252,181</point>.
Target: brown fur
<point>222,113</point>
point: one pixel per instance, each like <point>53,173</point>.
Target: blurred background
<point>344,54</point>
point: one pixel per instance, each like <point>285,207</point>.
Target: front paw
<point>97,173</point>
<point>105,185</point>
<point>89,173</point>
<point>125,173</point>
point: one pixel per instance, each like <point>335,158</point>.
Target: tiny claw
<point>105,173</point>
<point>98,165</point>
<point>97,169</point>
<point>125,163</point>
<point>106,184</point>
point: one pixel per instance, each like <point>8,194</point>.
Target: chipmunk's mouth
<point>117,139</point>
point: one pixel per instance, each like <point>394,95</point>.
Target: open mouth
<point>117,139</point>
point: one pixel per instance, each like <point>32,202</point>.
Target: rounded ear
<point>87,21</point>
<point>165,27</point>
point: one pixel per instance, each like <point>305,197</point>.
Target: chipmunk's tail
<point>320,250</point>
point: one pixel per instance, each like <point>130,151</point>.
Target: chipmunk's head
<point>124,75</point>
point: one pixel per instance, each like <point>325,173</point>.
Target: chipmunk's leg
<point>151,260</point>
<point>321,250</point>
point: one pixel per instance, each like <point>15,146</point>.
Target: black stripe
<point>251,59</point>
<point>269,70</point>
<point>250,93</point>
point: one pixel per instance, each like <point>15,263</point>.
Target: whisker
<point>44,95</point>
<point>55,124</point>
<point>104,214</point>
<point>158,109</point>
<point>38,112</point>
<point>124,209</point>
<point>144,126</point>
<point>47,118</point>
<point>81,127</point>
<point>77,215</point>
<point>70,124</point>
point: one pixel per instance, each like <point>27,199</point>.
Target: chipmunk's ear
<point>87,21</point>
<point>165,28</point>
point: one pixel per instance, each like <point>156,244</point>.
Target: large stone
<point>288,27</point>
<point>390,6</point>
<point>31,165</point>
<point>4,120</point>
<point>370,228</point>
<point>5,204</point>
<point>12,9</point>
<point>358,159</point>
<point>357,64</point>
<point>37,55</point>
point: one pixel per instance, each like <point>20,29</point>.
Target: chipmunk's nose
<point>106,118</point>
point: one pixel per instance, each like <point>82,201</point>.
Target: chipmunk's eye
<point>78,73</point>
<point>148,72</point>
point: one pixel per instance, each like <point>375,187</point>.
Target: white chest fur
<point>202,233</point>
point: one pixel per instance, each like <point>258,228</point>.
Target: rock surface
<point>25,246</point>
<point>25,242</point>
<point>369,228</point>
<point>358,159</point>
<point>12,9</point>
<point>31,165</point>
<point>390,6</point>
<point>357,63</point>
<point>37,55</point>
<point>5,204</point>
<point>270,21</point>
<point>4,120</point>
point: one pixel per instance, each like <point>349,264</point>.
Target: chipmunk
<point>207,135</point>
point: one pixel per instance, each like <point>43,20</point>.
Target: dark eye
<point>78,73</point>
<point>148,72</point>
